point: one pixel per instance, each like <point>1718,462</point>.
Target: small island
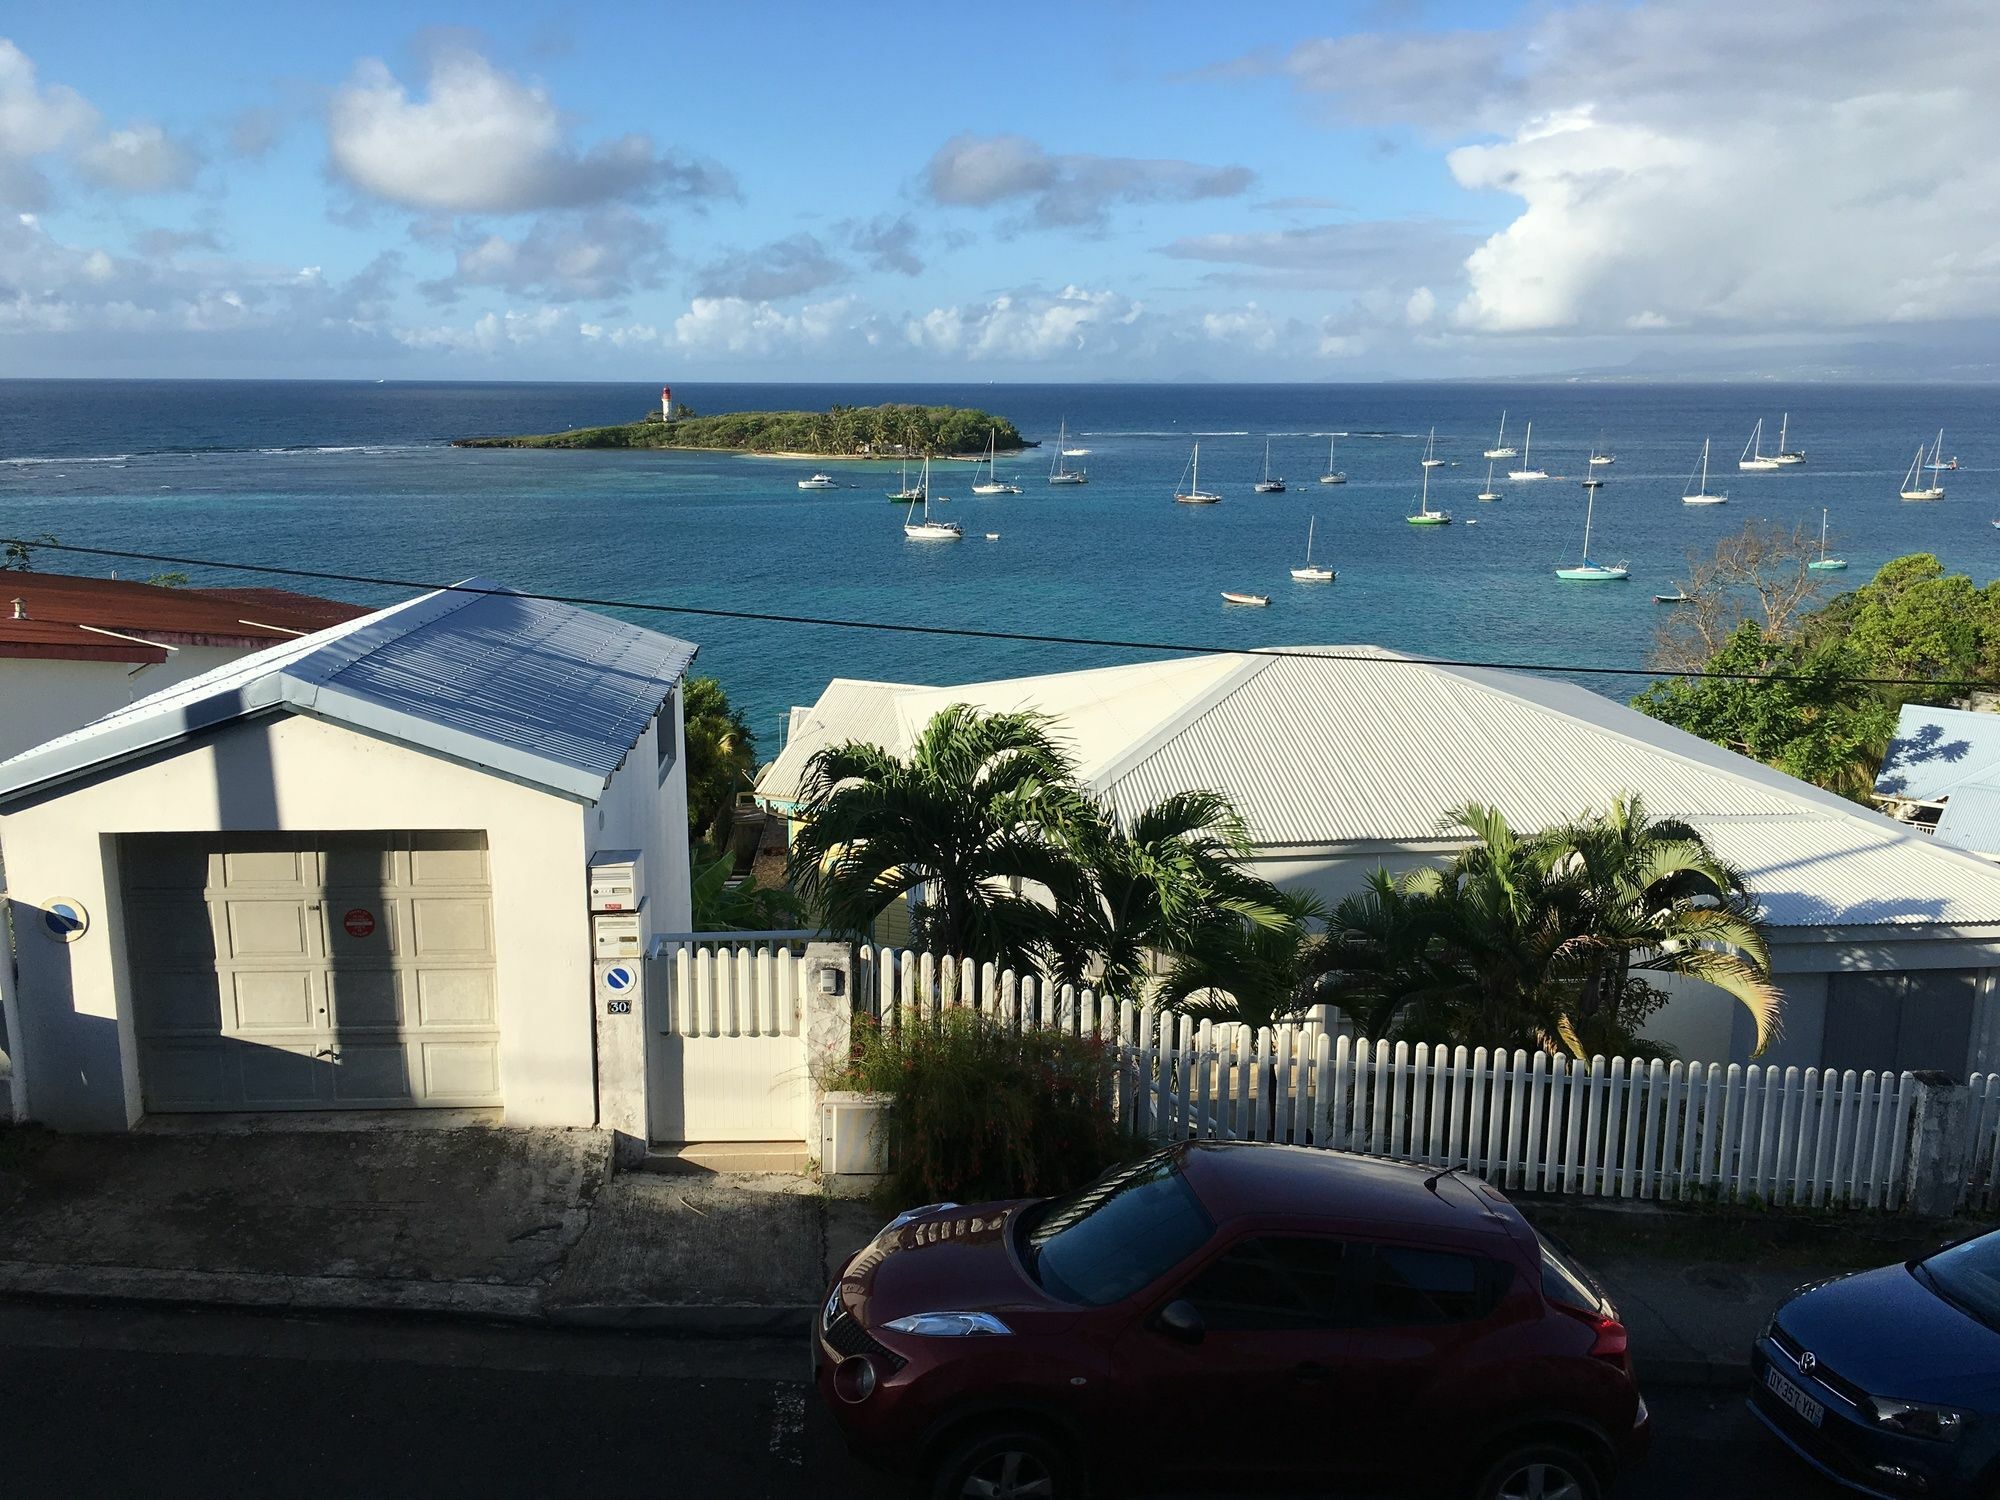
<point>887,431</point>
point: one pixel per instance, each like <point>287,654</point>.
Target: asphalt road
<point>113,1402</point>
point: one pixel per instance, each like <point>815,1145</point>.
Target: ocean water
<point>360,478</point>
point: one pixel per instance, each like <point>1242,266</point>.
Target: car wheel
<point>1008,1464</point>
<point>1539,1471</point>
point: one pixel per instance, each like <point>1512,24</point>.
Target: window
<point>1564,1283</point>
<point>1276,1281</point>
<point>667,735</point>
<point>1412,1287</point>
<point>1124,1231</point>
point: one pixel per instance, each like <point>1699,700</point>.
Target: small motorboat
<point>1230,596</point>
<point>992,536</point>
<point>819,482</point>
<point>1678,596</point>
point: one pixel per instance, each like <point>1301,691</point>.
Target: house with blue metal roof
<point>1941,775</point>
<point>352,872</point>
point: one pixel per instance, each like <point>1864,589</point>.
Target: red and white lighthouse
<point>666,403</point>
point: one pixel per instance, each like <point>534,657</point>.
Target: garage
<point>312,971</point>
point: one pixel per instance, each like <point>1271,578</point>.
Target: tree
<point>1252,972</point>
<point>721,758</point>
<point>1153,886</point>
<point>19,556</point>
<point>977,818</point>
<point>1757,574</point>
<point>744,906</point>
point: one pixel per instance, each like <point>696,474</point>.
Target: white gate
<point>728,1057</point>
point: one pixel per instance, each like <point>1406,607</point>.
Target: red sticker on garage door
<point>359,922</point>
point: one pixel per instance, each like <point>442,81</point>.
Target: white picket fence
<point>1526,1121</point>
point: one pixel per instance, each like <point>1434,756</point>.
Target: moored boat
<point>1231,596</point>
<point>1060,472</point>
<point>1500,448</point>
<point>928,530</point>
<point>1587,571</point>
<point>1527,470</point>
<point>1823,563</point>
<point>819,482</point>
<point>1310,572</point>
<point>1267,485</point>
<point>1332,475</point>
<point>1753,457</point>
<point>1694,495</point>
<point>1193,493</point>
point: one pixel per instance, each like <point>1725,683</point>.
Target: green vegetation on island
<point>888,431</point>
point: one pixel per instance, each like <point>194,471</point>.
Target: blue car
<point>1888,1381</point>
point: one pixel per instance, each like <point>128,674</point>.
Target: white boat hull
<point>1521,476</point>
<point>1333,479</point>
<point>1258,601</point>
<point>1590,573</point>
<point>1933,493</point>
<point>1313,575</point>
<point>1487,495</point>
<point>1704,499</point>
<point>1199,497</point>
<point>1068,479</point>
<point>1756,465</point>
<point>933,531</point>
<point>1501,453</point>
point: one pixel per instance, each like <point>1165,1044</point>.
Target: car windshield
<point>1968,1275</point>
<point>1122,1232</point>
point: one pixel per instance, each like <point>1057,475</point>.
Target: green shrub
<point>981,1111</point>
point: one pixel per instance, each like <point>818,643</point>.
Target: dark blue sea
<point>360,478</point>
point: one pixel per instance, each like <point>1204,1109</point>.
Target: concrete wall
<point>46,698</point>
<point>75,1051</point>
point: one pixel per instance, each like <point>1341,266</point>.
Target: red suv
<point>1227,1316</point>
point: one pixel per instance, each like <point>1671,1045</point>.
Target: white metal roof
<point>547,693</point>
<point>1374,749</point>
<point>1938,749</point>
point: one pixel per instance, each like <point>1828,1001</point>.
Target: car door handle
<point>1312,1369</point>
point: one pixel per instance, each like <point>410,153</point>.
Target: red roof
<point>59,608</point>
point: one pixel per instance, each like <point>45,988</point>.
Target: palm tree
<point>1154,885</point>
<point>1254,973</point>
<point>973,818</point>
<point>1379,956</point>
<point>1659,901</point>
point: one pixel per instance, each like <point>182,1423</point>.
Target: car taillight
<point>1612,1344</point>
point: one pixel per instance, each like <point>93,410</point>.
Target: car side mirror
<point>1181,1320</point>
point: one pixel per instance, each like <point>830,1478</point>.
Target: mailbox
<point>616,934</point>
<point>615,880</point>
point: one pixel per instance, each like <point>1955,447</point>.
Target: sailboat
<point>1590,480</point>
<point>1939,463</point>
<point>993,484</point>
<point>1786,455</point>
<point>1489,493</point>
<point>1431,460</point>
<point>907,491</point>
<point>1915,487</point>
<point>1527,469</point>
<point>928,530</point>
<point>1267,485</point>
<point>1753,451</point>
<point>1060,472</point>
<point>1599,459</point>
<point>1332,475</point>
<point>1194,494</point>
<point>1500,448</point>
<point>1823,563</point>
<point>1308,573</point>
<point>1587,571</point>
<point>1700,496</point>
<point>1425,516</point>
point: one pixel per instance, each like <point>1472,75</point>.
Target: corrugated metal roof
<point>847,710</point>
<point>1936,749</point>
<point>1971,818</point>
<point>545,692</point>
<point>63,616</point>
<point>1318,754</point>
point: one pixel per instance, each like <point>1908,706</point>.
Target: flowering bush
<point>982,1111</point>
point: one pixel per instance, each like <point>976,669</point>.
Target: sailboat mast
<point>1197,470</point>
<point>1704,465</point>
<point>1527,447</point>
<point>1310,524</point>
<point>1424,506</point>
<point>1589,510</point>
<point>1501,440</point>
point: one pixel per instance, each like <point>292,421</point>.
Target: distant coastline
<point>890,431</point>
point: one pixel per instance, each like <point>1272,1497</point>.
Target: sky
<point>1089,191</point>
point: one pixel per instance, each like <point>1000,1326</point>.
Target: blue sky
<point>790,190</point>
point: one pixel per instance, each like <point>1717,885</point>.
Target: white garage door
<point>295,971</point>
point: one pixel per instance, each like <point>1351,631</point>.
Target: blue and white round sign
<point>621,979</point>
<point>64,920</point>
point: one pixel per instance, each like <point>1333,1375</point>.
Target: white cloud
<point>489,334</point>
<point>139,159</point>
<point>35,120</point>
<point>1249,326</point>
<point>1067,190</point>
<point>1422,304</point>
<point>1841,176</point>
<point>1357,255</point>
<point>789,267</point>
<point>561,258</point>
<point>1026,326</point>
<point>737,325</point>
<point>482,141</point>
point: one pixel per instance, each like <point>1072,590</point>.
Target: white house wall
<point>77,1053</point>
<point>641,809</point>
<point>45,698</point>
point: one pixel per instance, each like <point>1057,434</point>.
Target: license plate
<point>1793,1397</point>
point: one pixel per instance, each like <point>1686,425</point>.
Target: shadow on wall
<point>78,1065</point>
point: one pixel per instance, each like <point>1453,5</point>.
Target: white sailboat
<point>1489,493</point>
<point>1527,469</point>
<point>1500,448</point>
<point>993,484</point>
<point>1060,472</point>
<point>1939,463</point>
<point>1193,493</point>
<point>1784,455</point>
<point>1309,573</point>
<point>1915,486</point>
<point>928,530</point>
<point>1425,516</point>
<point>1332,475</point>
<point>1753,451</point>
<point>1823,563</point>
<point>1267,485</point>
<point>1694,495</point>
<point>1431,460</point>
<point>1587,571</point>
<point>906,491</point>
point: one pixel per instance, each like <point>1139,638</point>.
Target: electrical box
<point>615,876</point>
<point>616,934</point>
